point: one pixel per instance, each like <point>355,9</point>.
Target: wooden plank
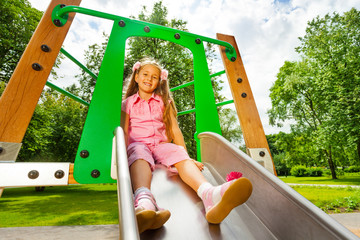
<point>246,109</point>
<point>71,175</point>
<point>18,101</point>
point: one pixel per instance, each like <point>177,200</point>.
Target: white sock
<point>216,194</point>
<point>140,190</point>
<point>144,202</point>
<point>203,188</point>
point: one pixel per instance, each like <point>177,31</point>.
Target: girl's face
<point>148,79</point>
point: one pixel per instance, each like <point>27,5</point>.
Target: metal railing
<point>127,221</point>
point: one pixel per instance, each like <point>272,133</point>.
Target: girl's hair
<point>162,90</point>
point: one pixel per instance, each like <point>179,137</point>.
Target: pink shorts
<point>166,154</point>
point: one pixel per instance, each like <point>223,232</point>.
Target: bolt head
<point>262,153</point>
<point>95,173</point>
<point>36,66</point>
<point>233,59</point>
<point>33,174</point>
<point>84,153</point>
<point>244,95</point>
<point>59,174</point>
<point>122,23</point>
<point>62,5</point>
<point>45,48</point>
<point>177,36</point>
<point>239,80</point>
<point>147,29</point>
<point>57,22</point>
<point>198,41</point>
<point>1,150</point>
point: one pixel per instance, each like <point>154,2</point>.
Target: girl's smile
<point>148,80</point>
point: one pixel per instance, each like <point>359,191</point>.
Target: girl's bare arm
<point>179,138</point>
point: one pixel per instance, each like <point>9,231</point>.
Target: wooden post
<point>18,101</point>
<point>245,105</point>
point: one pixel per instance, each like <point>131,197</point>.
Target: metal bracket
<point>33,174</point>
<point>9,151</point>
<point>262,156</point>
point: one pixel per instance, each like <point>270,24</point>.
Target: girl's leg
<point>148,214</point>
<point>140,173</point>
<point>190,174</point>
<point>218,200</point>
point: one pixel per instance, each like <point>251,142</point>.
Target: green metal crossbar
<point>78,63</point>
<point>217,74</point>
<point>93,160</point>
<point>192,82</point>
<point>66,93</point>
<point>193,110</point>
<point>182,86</point>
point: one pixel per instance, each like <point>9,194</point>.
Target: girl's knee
<point>189,163</point>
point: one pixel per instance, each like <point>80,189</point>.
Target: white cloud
<point>266,31</point>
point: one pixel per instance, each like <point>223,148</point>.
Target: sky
<point>266,31</point>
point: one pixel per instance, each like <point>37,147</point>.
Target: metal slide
<point>274,211</point>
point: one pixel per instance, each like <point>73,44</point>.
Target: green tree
<point>18,21</point>
<point>54,131</point>
<point>175,58</point>
<point>321,91</point>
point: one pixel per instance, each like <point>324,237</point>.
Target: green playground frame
<point>93,159</point>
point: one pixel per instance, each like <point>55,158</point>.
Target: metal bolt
<point>45,48</point>
<point>59,174</point>
<point>262,153</point>
<point>239,80</point>
<point>233,59</point>
<point>57,22</point>
<point>198,41</point>
<point>122,23</point>
<point>95,173</point>
<point>244,95</point>
<point>36,66</point>
<point>84,153</point>
<point>1,150</point>
<point>62,5</point>
<point>177,35</point>
<point>147,29</point>
<point>33,174</point>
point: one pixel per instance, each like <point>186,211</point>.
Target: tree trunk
<point>331,164</point>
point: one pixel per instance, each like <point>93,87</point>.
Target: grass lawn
<point>97,204</point>
<point>58,206</point>
<point>329,199</point>
<point>344,180</point>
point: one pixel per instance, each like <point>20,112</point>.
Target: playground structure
<point>274,211</point>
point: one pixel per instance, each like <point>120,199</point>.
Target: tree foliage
<point>55,129</point>
<point>321,92</point>
<point>18,21</point>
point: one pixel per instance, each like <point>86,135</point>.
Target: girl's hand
<point>198,164</point>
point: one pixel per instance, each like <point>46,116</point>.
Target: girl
<point>152,137</point>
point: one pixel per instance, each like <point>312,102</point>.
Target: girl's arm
<point>125,125</point>
<point>179,138</point>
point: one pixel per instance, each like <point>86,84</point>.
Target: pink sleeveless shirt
<point>146,119</point>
